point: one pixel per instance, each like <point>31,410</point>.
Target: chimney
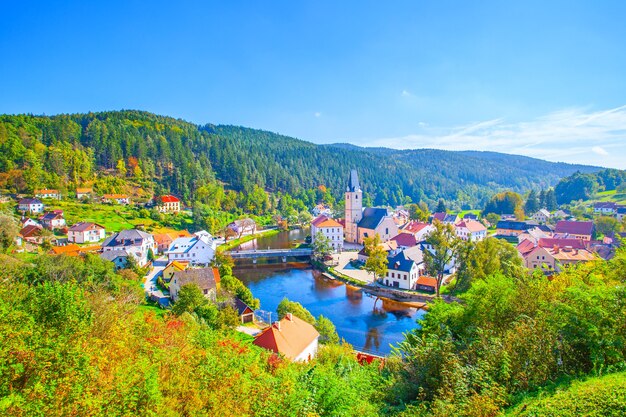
<point>556,248</point>
<point>289,317</point>
<point>277,325</point>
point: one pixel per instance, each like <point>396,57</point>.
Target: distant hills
<point>177,156</point>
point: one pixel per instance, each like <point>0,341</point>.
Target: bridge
<point>269,253</point>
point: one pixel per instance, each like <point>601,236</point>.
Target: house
<point>83,193</point>
<point>164,240</point>
<point>405,240</point>
<point>322,210</point>
<point>246,314</point>
<point>579,230</point>
<point>207,279</point>
<point>134,242</point>
<point>605,208</point>
<point>541,216</point>
<point>621,213</point>
<point>198,250</point>
<point>122,199</point>
<point>533,235</point>
<point>512,228</point>
<point>376,221</point>
<point>428,284</point>
<point>554,259</point>
<point>118,257</point>
<point>470,216</point>
<point>446,218</point>
<point>292,337</point>
<point>402,272</point>
<point>332,230</point>
<point>361,223</point>
<point>168,204</point>
<point>32,234</point>
<point>418,229</point>
<point>68,250</point>
<point>46,193</point>
<point>172,267</point>
<point>53,220</point>
<point>561,214</point>
<point>84,232</point>
<point>241,227</point>
<point>27,221</point>
<point>401,217</point>
<point>470,230</point>
<point>391,247</point>
<point>31,205</point>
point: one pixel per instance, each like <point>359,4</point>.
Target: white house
<point>541,216</point>
<point>470,230</point>
<point>53,220</point>
<point>27,221</point>
<point>322,210</point>
<point>46,193</point>
<point>292,337</point>
<point>418,229</point>
<point>84,232</point>
<point>606,208</point>
<point>198,249</point>
<point>403,272</point>
<point>324,226</point>
<point>32,205</point>
<point>122,199</point>
<point>118,257</point>
<point>168,204</point>
<point>621,213</point>
<point>136,243</point>
<point>83,193</point>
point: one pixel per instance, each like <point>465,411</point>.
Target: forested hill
<point>67,150</point>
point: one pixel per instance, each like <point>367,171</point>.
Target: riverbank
<point>236,242</point>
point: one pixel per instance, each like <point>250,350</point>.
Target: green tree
<point>532,203</point>
<point>376,257</point>
<point>445,246</point>
<point>441,206</point>
<point>327,330</point>
<point>190,299</point>
<point>321,247</point>
<point>606,225</point>
<point>492,218</point>
<point>295,308</point>
<point>551,203</point>
<point>8,230</point>
<point>238,289</point>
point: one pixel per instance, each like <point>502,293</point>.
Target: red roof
<point>405,239</point>
<point>472,225</point>
<point>525,247</point>
<point>574,228</point>
<point>290,336</point>
<point>415,226</point>
<point>30,231</point>
<point>561,243</point>
<point>324,221</point>
<point>427,281</point>
<point>169,199</point>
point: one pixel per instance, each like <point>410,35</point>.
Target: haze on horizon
<point>542,79</point>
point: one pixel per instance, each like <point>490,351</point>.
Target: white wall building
<point>85,232</point>
<point>198,249</point>
<point>135,242</point>
<point>32,205</point>
<point>333,230</point>
<point>471,230</point>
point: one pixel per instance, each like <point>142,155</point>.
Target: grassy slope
<point>602,396</point>
<point>113,217</point>
<point>611,196</point>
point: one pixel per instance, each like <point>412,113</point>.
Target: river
<point>363,321</point>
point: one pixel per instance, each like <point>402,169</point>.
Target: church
<point>361,223</point>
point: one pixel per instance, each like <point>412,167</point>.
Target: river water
<point>367,323</point>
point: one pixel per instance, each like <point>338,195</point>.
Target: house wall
<point>309,352</point>
<point>334,234</point>
<point>404,280</point>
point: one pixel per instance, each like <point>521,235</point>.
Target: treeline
<point>583,186</point>
<point>177,157</point>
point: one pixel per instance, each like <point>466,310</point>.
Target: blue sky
<point>538,78</point>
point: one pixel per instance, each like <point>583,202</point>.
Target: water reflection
<point>366,322</point>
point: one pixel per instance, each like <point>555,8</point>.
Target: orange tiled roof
<point>84,190</point>
<point>472,225</point>
<point>114,196</point>
<point>71,250</point>
<point>429,281</point>
<point>169,199</point>
<point>293,337</point>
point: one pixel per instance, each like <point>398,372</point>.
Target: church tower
<point>354,207</point>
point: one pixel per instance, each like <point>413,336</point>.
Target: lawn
<point>612,195</point>
<point>114,218</point>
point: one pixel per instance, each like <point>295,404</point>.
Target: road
<point>158,266</point>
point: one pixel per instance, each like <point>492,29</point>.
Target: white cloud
<point>571,135</point>
<point>405,93</point>
<point>317,114</point>
<point>422,124</point>
<point>599,150</point>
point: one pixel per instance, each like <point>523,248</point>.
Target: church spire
<point>353,182</point>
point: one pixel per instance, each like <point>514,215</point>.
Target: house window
<point>205,291</point>
<point>393,275</point>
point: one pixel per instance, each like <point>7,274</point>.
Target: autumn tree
<point>8,230</point>
<point>376,257</point>
<point>444,248</point>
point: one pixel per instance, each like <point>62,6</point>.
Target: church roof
<point>353,182</point>
<point>372,216</point>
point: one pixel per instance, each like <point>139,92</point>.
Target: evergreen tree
<point>441,206</point>
<point>532,203</point>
